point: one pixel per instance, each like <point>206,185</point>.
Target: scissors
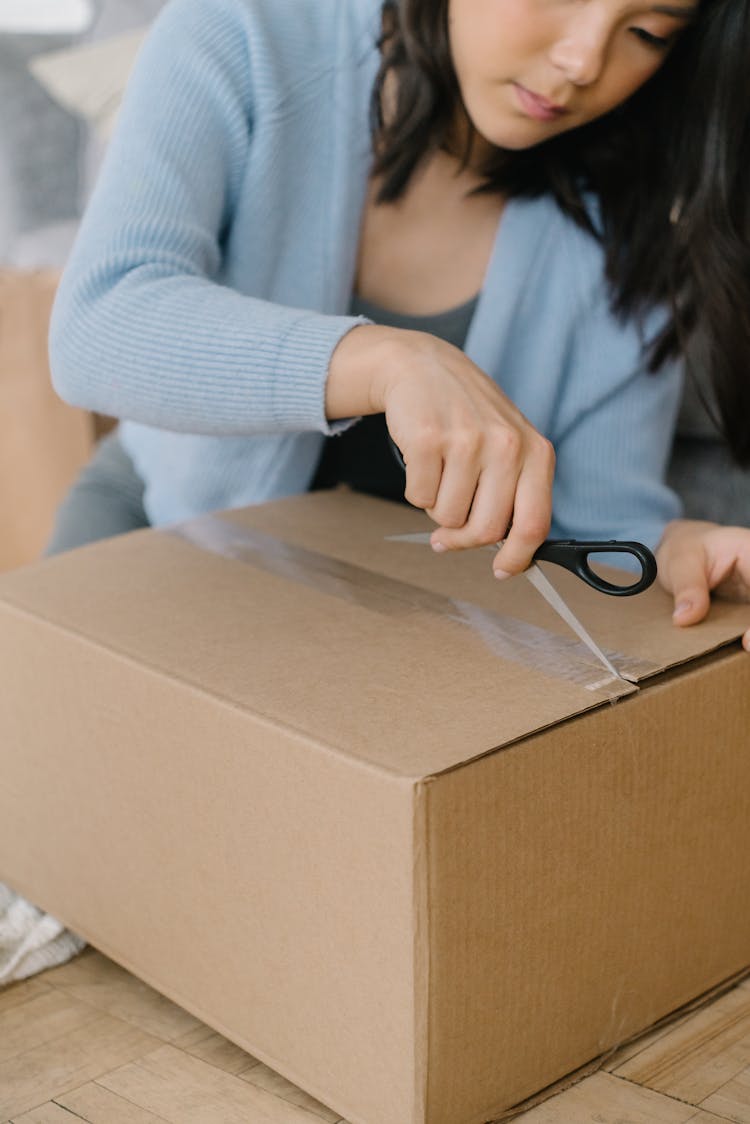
<point>574,555</point>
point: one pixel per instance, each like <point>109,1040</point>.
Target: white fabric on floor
<point>48,160</point>
<point>30,940</point>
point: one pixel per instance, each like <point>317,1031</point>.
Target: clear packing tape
<point>510,639</point>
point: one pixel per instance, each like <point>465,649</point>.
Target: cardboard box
<point>43,442</point>
<point>354,805</point>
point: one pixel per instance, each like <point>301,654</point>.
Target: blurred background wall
<point>63,64</point>
<point>48,156</point>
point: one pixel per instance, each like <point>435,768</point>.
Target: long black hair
<point>670,169</point>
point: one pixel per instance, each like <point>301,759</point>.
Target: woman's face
<point>531,69</point>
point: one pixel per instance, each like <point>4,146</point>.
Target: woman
<point>551,201</point>
<point>558,190</point>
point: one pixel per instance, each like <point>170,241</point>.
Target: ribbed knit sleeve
<point>143,327</point>
<point>613,434</point>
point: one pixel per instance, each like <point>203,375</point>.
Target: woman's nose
<point>580,51</point>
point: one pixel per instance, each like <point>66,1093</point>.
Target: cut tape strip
<point>506,637</point>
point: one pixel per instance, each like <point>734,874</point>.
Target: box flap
<point>404,659</point>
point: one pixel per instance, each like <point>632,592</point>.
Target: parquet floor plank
<point>89,1042</point>
<point>638,1045</point>
<point>98,981</point>
<point>700,1056</point>
<point>38,1071</point>
<point>265,1078</point>
<point>206,1044</point>
<point>49,1113</point>
<point>185,1090</point>
<point>21,992</point>
<point>605,1099</point>
<point>96,1105</point>
<point>733,1099</point>
<point>46,1017</point>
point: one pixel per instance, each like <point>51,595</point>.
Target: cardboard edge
<point>598,699</point>
<point>596,1064</point>
<point>19,611</point>
<point>724,650</point>
<point>647,678</point>
<point>421,881</point>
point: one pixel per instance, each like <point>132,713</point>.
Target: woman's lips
<point>536,106</point>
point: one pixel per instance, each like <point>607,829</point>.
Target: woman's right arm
<point>473,461</point>
<point>141,329</point>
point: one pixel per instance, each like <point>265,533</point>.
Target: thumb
<point>687,580</point>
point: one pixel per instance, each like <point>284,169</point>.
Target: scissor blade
<point>553,598</point>
<point>417,536</point>
<point>548,592</point>
<point>425,537</point>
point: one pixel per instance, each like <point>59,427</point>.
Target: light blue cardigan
<point>214,268</point>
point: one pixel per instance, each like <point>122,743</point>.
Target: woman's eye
<point>659,42</point>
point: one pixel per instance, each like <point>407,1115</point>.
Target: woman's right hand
<point>473,462</point>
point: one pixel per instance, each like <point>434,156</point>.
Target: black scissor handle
<point>573,555</point>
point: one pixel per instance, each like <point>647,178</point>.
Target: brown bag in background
<point>43,442</point>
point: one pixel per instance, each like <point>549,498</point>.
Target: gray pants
<point>107,498</point>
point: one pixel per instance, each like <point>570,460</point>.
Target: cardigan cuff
<point>301,371</point>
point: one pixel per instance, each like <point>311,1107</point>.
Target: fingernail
<point>682,608</point>
<point>501,574</point>
<point>438,547</point>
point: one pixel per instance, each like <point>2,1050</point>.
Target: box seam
<point>725,651</point>
<point>421,873</point>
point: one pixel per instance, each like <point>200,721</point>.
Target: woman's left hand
<point>697,559</point>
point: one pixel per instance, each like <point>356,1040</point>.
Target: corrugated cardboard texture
<point>583,884</point>
<point>245,871</point>
<point>353,528</point>
<point>430,688</point>
<point>285,806</point>
<point>309,661</point>
<point>43,442</point>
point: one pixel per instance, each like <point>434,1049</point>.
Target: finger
<point>746,641</point>
<point>424,469</point>
<point>490,514</point>
<point>532,516</point>
<point>686,578</point>
<point>458,485</point>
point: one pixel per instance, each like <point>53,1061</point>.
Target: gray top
<point>451,325</point>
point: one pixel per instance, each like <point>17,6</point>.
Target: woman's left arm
<point>612,440</point>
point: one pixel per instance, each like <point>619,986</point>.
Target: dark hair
<point>670,169</point>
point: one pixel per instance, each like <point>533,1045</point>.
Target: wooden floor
<point>88,1041</point>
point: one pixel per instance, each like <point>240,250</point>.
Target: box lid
<point>301,611</point>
